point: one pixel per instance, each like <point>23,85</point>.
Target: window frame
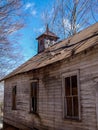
<point>65,75</point>
<point>31,111</point>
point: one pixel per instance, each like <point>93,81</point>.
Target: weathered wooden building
<point>58,88</point>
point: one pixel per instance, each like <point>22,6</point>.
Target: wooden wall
<point>50,105</point>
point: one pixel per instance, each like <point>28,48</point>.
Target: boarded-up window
<point>14,92</point>
<point>34,88</point>
<point>71,98</point>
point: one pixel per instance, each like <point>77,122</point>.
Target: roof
<point>62,50</point>
<point>48,33</point>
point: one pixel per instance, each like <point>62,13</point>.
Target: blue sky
<point>33,26</point>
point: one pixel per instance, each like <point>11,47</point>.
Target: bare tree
<point>70,16</point>
<point>10,21</point>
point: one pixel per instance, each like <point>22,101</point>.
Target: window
<point>14,92</point>
<point>34,88</point>
<point>71,97</point>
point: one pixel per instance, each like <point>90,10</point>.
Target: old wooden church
<point>58,88</point>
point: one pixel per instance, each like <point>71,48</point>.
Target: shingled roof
<point>62,50</point>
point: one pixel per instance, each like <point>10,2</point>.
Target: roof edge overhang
<point>47,35</point>
<point>93,45</point>
<point>7,77</point>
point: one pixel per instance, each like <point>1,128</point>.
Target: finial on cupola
<point>47,28</point>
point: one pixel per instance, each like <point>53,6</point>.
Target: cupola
<point>45,40</point>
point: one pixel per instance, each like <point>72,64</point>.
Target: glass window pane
<point>74,85</point>
<point>69,106</point>
<point>75,106</point>
<point>32,103</point>
<point>34,96</point>
<point>14,98</point>
<point>32,91</point>
<point>35,90</point>
<point>67,86</point>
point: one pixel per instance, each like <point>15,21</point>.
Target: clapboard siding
<point>50,105</point>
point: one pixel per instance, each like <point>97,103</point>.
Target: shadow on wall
<point>1,115</point>
<point>1,103</point>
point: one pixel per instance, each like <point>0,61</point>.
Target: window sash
<point>71,113</point>
<point>75,94</point>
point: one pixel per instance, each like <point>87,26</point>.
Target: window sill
<point>32,112</point>
<point>14,109</point>
<point>72,119</point>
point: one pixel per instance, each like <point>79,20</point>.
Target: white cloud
<point>67,24</point>
<point>29,5</point>
<point>33,12</point>
<point>31,8</point>
<point>41,29</point>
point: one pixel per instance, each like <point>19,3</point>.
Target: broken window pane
<point>67,86</point>
<point>75,106</point>
<point>69,106</point>
<point>74,84</point>
<point>14,98</point>
<point>34,96</point>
